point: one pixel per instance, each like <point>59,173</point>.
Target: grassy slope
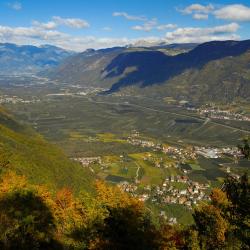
<point>41,162</point>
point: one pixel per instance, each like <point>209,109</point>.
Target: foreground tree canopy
<point>33,218</point>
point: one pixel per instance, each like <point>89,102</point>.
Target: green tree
<point>238,193</point>
<point>245,148</point>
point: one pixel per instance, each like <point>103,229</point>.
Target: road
<point>137,172</point>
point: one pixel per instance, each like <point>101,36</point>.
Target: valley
<point>169,155</point>
<point>124,125</point>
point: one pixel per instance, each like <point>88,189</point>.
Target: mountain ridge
<point>17,59</point>
<point>149,69</point>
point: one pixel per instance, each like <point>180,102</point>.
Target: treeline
<point>31,217</point>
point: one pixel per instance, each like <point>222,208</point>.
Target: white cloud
<point>35,35</point>
<point>166,26</point>
<point>41,34</point>
<point>200,16</point>
<point>197,8</point>
<point>15,6</point>
<point>71,22</point>
<point>147,26</point>
<point>59,21</point>
<point>198,11</point>
<point>129,17</point>
<point>234,12</point>
<point>190,34</point>
<point>107,28</point>
<point>153,24</point>
<point>47,26</point>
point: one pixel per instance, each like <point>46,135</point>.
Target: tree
<point>245,148</point>
<point>171,237</point>
<point>115,220</point>
<point>225,222</point>
<point>26,220</point>
<point>238,193</point>
<point>4,159</point>
<point>212,227</point>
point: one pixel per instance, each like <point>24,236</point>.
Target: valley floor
<point>168,155</point>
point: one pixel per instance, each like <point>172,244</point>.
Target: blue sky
<point>82,24</point>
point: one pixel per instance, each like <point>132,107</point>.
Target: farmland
<point>159,152</point>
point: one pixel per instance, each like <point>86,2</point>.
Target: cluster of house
<point>127,187</point>
<point>143,143</point>
<point>194,192</point>
<point>4,99</point>
<point>180,153</point>
<point>210,152</point>
<point>171,220</point>
<point>86,161</point>
<point>183,154</point>
<point>222,114</point>
<point>167,193</point>
<point>177,153</point>
<point>82,92</point>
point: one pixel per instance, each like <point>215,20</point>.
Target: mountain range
<point>212,71</point>
<point>17,59</point>
<point>217,70</point>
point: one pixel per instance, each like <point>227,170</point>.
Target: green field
<point>100,125</point>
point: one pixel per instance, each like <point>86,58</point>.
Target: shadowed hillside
<point>154,67</point>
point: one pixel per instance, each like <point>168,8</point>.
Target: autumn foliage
<point>31,217</point>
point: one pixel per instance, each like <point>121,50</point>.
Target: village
<point>216,113</point>
<point>189,195</point>
<point>6,99</point>
<point>176,188</point>
<point>189,152</point>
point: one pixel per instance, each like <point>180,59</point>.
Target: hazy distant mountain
<point>218,69</point>
<point>15,59</point>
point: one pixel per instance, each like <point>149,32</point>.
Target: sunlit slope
<point>29,154</point>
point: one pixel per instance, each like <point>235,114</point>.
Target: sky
<point>82,24</point>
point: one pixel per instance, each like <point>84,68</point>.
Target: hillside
<point>15,59</point>
<point>225,80</point>
<point>27,153</point>
<point>156,67</point>
<point>89,68</point>
<point>218,69</point>
<point>86,68</point>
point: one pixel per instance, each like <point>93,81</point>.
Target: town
<point>173,187</point>
<point>6,99</point>
<point>213,112</point>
